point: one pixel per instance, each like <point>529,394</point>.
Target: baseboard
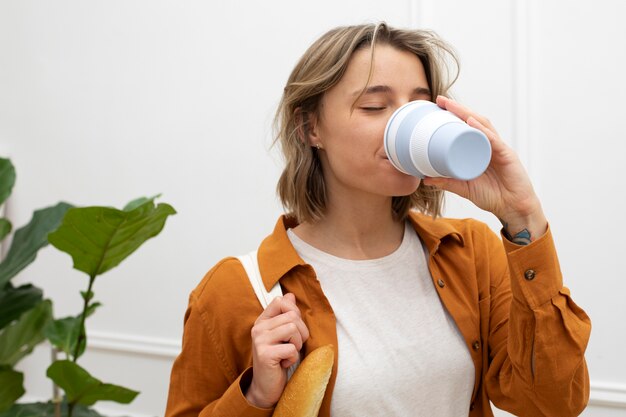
<point>118,342</point>
<point>102,410</point>
<point>603,394</point>
<point>607,394</point>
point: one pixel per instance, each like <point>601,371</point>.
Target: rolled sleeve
<point>537,365</point>
<point>234,404</point>
<point>535,272</point>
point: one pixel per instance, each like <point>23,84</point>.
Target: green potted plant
<point>98,239</point>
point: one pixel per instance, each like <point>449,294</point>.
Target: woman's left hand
<point>505,188</point>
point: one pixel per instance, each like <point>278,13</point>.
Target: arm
<point>538,335</point>
<point>203,382</point>
<point>225,331</point>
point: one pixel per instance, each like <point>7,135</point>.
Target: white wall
<point>101,102</point>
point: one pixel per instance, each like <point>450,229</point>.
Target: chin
<point>403,187</point>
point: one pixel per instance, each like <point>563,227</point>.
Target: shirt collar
<point>433,231</point>
<point>277,256</point>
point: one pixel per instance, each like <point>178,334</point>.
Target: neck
<point>355,228</point>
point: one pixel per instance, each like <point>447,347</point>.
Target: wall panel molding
<point>608,395</point>
<point>521,82</point>
<point>602,393</point>
<point>526,88</point>
<point>110,412</point>
<point>421,12</point>
<point>142,345</point>
<point>414,13</point>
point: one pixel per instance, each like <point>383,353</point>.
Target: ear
<point>306,126</point>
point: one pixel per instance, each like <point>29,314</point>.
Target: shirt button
<point>441,283</point>
<point>530,274</point>
<point>476,345</point>
<point>472,406</point>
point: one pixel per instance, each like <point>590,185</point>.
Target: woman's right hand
<point>277,337</point>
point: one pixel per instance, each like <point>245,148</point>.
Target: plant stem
<point>81,332</point>
<point>56,398</point>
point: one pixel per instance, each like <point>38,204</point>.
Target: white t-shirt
<point>400,352</point>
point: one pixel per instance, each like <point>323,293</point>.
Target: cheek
<point>365,139</point>
<point>356,148</point>
<point>404,185</point>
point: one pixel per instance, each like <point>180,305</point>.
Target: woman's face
<point>354,159</point>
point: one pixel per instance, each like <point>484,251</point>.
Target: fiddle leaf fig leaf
<point>99,238</point>
<point>5,228</point>
<point>92,307</point>
<point>87,295</point>
<point>20,337</point>
<point>7,178</point>
<point>64,333</point>
<point>139,201</point>
<point>15,301</point>
<point>82,388</point>
<point>29,239</point>
<point>11,386</point>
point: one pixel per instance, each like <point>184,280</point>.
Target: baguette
<point>305,390</point>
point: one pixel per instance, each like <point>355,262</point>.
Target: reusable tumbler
<point>422,139</point>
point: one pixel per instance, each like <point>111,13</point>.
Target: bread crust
<point>305,390</point>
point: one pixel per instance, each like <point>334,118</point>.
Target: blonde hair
<point>301,186</point>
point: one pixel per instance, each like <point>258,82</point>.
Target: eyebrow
<point>386,89</point>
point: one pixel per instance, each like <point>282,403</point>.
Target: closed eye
<point>372,108</point>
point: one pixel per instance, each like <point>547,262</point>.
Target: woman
<point>428,316</point>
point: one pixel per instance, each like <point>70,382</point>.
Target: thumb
<point>452,185</point>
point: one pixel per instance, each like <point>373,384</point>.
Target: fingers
<point>287,318</point>
<point>290,297</point>
<point>285,333</point>
<point>497,144</point>
<point>291,359</point>
<point>280,305</point>
<point>476,121</point>
<point>280,311</point>
<point>280,323</point>
<point>284,355</point>
<point>277,338</point>
<point>476,124</point>
<point>462,112</point>
<point>274,352</point>
<point>289,354</point>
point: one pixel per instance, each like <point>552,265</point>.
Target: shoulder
<point>225,288</point>
<point>221,312</point>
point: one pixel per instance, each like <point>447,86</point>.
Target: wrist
<point>254,398</point>
<point>523,229</point>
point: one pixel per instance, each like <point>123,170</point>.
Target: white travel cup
<point>422,139</point>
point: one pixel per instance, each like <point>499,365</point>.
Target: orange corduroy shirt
<point>525,334</point>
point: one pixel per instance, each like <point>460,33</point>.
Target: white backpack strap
<point>251,266</point>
